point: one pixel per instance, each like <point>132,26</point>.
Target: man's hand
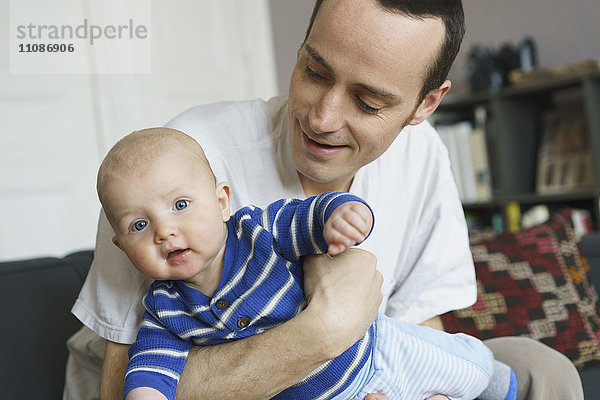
<point>349,224</point>
<point>344,294</point>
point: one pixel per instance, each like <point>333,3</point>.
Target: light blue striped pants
<point>411,362</point>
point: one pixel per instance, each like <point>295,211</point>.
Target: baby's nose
<point>164,231</point>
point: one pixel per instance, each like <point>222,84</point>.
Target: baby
<point>221,277</point>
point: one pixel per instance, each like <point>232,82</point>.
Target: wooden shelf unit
<point>515,131</point>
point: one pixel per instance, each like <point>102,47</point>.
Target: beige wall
<point>289,19</point>
<point>565,31</point>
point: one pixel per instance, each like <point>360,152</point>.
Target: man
<point>368,74</point>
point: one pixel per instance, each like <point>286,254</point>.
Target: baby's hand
<point>349,224</point>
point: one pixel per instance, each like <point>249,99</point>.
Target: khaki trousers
<point>542,372</point>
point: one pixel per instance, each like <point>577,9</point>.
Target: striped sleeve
<point>297,225</point>
<point>156,358</point>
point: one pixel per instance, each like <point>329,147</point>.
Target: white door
<point>57,127</point>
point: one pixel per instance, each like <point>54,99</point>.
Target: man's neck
<point>312,188</point>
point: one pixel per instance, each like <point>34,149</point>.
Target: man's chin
<point>315,180</point>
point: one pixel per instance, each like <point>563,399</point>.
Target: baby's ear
<point>116,242</point>
<point>223,192</point>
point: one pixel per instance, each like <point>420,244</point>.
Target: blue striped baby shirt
<point>260,288</point>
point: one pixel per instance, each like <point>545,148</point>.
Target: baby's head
<point>136,152</point>
<point>162,201</point>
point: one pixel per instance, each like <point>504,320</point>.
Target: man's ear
<point>223,192</point>
<point>430,103</point>
<point>116,242</point>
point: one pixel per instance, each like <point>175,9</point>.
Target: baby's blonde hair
<point>139,148</point>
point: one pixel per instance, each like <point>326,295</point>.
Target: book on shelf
<point>564,162</point>
<point>448,138</point>
<point>481,166</point>
<point>467,149</point>
<point>461,132</point>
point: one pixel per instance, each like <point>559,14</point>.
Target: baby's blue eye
<point>181,204</point>
<point>139,225</point>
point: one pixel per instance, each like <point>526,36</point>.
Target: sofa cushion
<point>590,248</point>
<point>534,283</point>
<point>37,296</point>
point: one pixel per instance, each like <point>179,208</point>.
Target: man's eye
<point>365,107</point>
<point>139,225</point>
<point>315,75</point>
<point>181,204</point>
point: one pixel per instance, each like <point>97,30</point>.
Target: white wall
<point>56,128</point>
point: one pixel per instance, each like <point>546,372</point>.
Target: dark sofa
<point>591,250</point>
<point>37,296</point>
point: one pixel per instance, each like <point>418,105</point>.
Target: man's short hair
<point>452,15</point>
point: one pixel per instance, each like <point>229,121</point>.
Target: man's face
<point>354,87</point>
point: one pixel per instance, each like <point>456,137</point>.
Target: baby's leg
<point>503,384</point>
<point>420,362</point>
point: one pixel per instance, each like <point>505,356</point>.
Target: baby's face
<point>168,218</point>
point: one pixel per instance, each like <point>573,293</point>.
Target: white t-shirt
<point>419,236</point>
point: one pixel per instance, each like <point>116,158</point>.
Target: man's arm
<point>256,367</point>
<point>434,322</point>
<point>113,370</point>
<point>343,296</point>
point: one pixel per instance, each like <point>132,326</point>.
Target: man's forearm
<point>257,367</point>
<point>113,371</point>
<point>343,293</point>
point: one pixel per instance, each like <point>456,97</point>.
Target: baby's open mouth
<point>176,253</point>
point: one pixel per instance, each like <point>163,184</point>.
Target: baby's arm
<point>298,226</point>
<point>348,225</point>
<point>156,361</point>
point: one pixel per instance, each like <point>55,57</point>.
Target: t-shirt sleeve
<point>110,302</point>
<point>442,276</point>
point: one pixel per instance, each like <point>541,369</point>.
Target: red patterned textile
<point>534,283</point>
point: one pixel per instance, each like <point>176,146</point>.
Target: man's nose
<point>326,115</point>
<point>164,230</point>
